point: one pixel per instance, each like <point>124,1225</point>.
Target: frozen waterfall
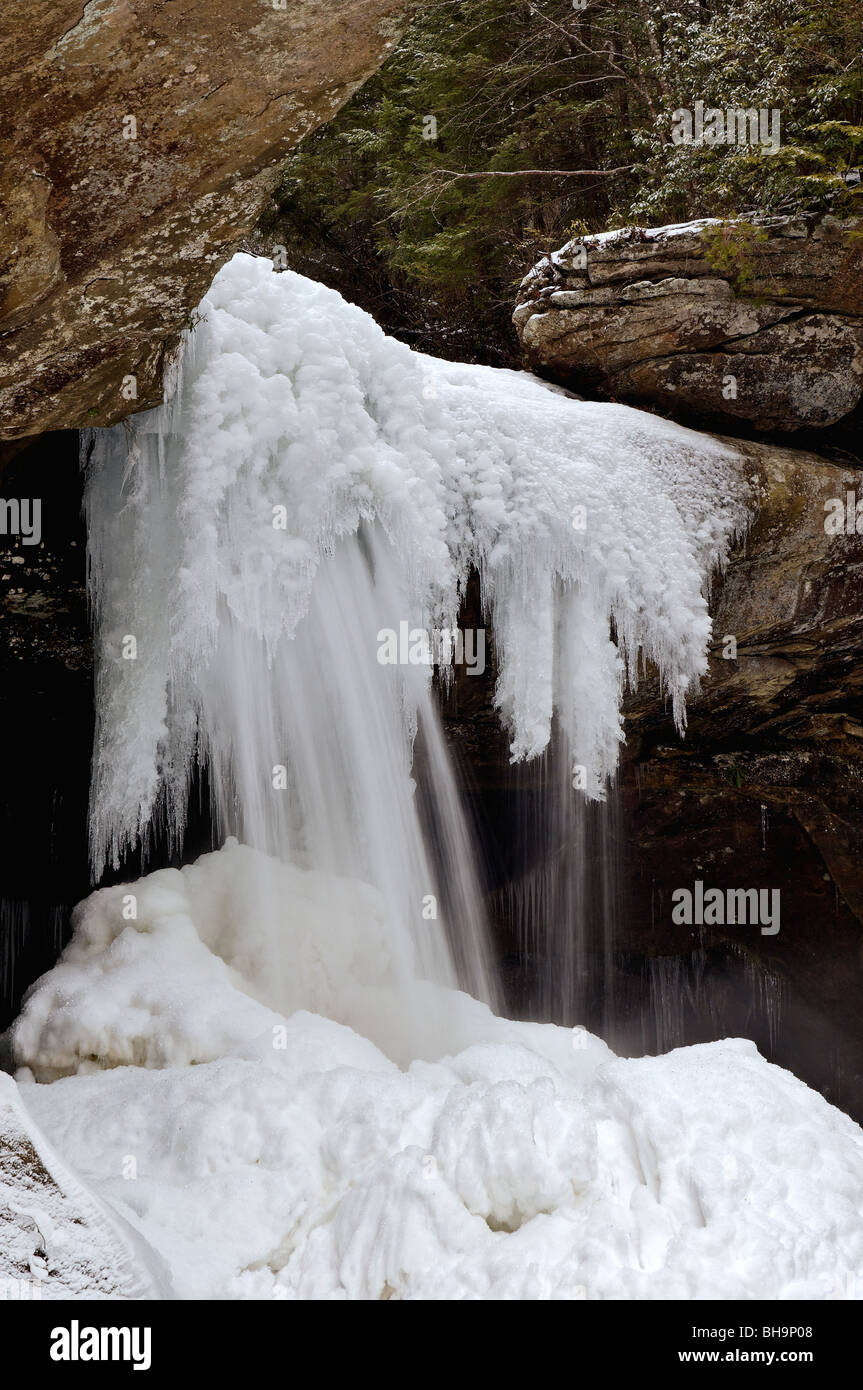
<point>311,483</point>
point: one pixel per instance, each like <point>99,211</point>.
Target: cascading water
<point>311,482</point>
<point>326,719</point>
<point>563,897</point>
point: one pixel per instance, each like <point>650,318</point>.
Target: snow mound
<point>221,952</point>
<point>515,1161</point>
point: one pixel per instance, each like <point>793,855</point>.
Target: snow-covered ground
<point>265,1151</point>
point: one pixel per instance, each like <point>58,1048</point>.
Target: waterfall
<point>310,484</point>
<point>562,897</point>
<point>324,709</point>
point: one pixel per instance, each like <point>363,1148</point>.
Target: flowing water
<point>332,726</point>
<point>563,897</point>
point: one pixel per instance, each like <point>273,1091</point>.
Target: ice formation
<point>520,1161</point>
<point>295,424</point>
<point>310,483</point>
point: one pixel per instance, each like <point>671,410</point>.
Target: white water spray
<point>311,481</point>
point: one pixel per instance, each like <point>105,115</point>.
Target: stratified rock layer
<point>708,324</point>
<point>138,143</point>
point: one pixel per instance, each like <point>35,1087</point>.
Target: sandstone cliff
<point>138,143</point>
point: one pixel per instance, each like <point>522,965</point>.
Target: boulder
<point>756,323</point>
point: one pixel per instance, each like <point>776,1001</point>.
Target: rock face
<point>765,791</point>
<point>759,323</point>
<point>138,142</point>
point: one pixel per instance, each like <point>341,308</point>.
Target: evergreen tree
<point>498,128</point>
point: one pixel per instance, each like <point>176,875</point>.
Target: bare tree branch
<point>433,184</point>
<point>453,174</point>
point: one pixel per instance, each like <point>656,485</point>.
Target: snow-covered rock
<point>759,323</point>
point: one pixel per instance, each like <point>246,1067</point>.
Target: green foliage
<point>371,206</point>
<point>733,249</point>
